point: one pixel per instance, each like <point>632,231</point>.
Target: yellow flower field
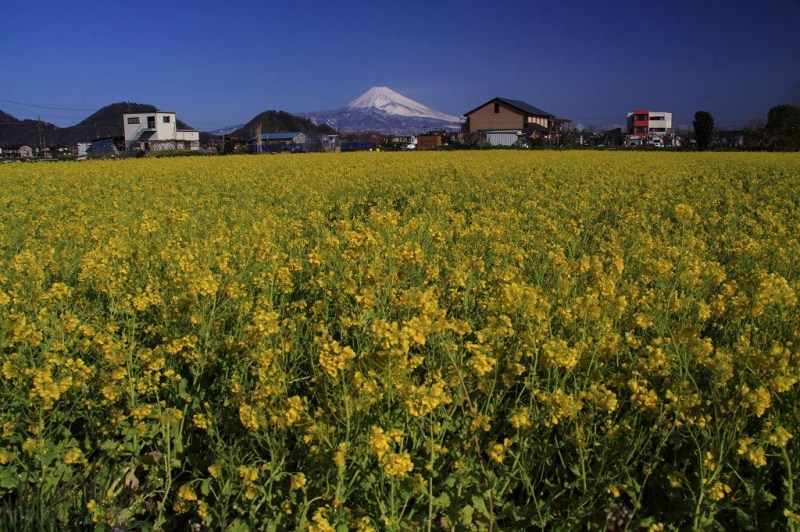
<point>473,340</point>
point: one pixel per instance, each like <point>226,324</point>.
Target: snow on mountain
<point>386,100</point>
<point>383,110</point>
<point>225,130</point>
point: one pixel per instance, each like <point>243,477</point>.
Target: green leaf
<point>646,522</point>
<point>8,479</point>
<point>182,389</point>
<point>465,515</point>
<point>443,501</point>
<point>178,445</point>
<point>479,505</point>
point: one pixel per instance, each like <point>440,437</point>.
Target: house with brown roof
<point>507,122</point>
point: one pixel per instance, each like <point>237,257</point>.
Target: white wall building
<point>157,131</point>
<point>653,124</point>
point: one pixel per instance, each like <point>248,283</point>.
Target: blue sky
<point>220,63</point>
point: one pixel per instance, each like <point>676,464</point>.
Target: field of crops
<point>493,340</point>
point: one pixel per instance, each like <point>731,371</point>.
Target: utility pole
<point>258,139</point>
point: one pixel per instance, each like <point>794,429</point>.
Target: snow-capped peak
<point>386,100</point>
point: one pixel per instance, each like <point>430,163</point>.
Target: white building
<point>653,124</point>
<point>157,131</point>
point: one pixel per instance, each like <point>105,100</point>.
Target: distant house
<point>25,151</point>
<point>322,143</point>
<point>506,122</point>
<point>644,125</point>
<point>157,131</point>
<point>291,141</point>
<point>430,141</point>
<point>100,147</point>
<point>357,145</point>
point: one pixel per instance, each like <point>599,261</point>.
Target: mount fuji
<point>383,110</point>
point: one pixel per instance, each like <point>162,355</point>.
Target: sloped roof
<point>280,136</point>
<point>530,128</point>
<point>526,108</point>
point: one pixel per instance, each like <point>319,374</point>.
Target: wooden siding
<point>428,142</point>
<point>485,118</point>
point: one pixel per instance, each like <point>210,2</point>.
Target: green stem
<point>430,478</point>
<point>789,488</point>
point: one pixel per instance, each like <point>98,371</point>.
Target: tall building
<point>645,123</point>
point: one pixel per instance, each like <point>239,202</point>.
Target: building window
<point>656,118</point>
<point>496,107</point>
<point>166,119</point>
<point>640,117</point>
<point>133,120</point>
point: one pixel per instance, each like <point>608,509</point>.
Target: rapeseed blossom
<point>426,340</point>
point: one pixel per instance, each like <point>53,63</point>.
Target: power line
<point>44,106</point>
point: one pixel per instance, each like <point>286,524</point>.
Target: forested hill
<point>107,122</point>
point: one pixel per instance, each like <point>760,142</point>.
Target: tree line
<point>780,132</point>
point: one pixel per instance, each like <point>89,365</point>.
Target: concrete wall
<point>163,130</point>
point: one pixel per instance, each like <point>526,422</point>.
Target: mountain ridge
<point>378,110</point>
<point>391,102</point>
<point>103,123</point>
<point>278,121</point>
<point>383,110</point>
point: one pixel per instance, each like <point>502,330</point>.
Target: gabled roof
<point>526,108</point>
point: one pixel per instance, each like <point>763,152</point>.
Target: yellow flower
<point>295,407</point>
<point>558,354</point>
<point>202,421</point>
<point>396,465</point>
<point>481,364</point>
<point>339,455</point>
<point>496,452</point>
<point>719,490</point>
<point>780,437</point>
<point>520,417</point>
<point>793,517</point>
<point>247,473</point>
<point>602,397</point>
<point>675,480</point>
<point>319,523</point>
<point>286,507</point>
<point>30,446</point>
<point>248,417</point>
<point>379,441</point>
<point>186,493</point>
<point>480,422</point>
<point>753,454</point>
<point>424,399</point>
<point>298,481</point>
<point>73,455</point>
<point>334,358</point>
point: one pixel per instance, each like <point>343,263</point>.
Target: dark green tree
<point>783,127</point>
<point>703,129</point>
